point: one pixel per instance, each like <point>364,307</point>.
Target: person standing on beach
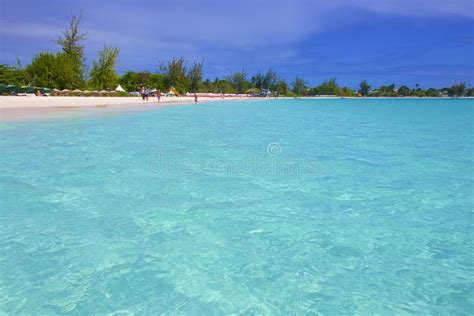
<point>146,92</point>
<point>142,92</point>
<point>158,95</point>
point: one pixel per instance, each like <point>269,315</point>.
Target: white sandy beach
<point>13,108</point>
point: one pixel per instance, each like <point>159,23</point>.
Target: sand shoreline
<point>14,108</point>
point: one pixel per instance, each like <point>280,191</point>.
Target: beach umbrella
<point>8,89</point>
<point>77,91</point>
<point>13,88</point>
<point>27,89</point>
<point>65,92</point>
<point>42,89</point>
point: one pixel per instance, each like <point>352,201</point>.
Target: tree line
<point>67,69</point>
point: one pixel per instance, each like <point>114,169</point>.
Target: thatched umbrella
<point>78,92</point>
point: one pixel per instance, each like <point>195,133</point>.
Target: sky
<point>426,42</point>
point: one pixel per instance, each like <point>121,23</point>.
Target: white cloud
<point>33,30</point>
<point>217,30</point>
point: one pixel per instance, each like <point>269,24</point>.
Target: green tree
<point>174,73</point>
<point>281,87</point>
<point>11,75</point>
<point>364,88</point>
<point>222,86</point>
<point>132,81</point>
<point>195,76</point>
<point>270,79</point>
<point>253,91</point>
<point>328,87</point>
<point>457,89</point>
<point>129,81</point>
<point>419,93</point>
<point>387,91</point>
<point>258,81</point>
<point>346,92</point>
<point>70,41</point>
<point>206,86</point>
<point>60,70</point>
<point>299,86</point>
<point>103,74</point>
<point>404,91</point>
<point>156,81</point>
<point>239,81</point>
<point>52,71</point>
<point>432,92</point>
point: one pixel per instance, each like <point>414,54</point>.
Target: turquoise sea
<point>280,207</point>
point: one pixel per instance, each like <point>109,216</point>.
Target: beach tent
<point>120,89</point>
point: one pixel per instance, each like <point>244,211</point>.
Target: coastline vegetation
<point>67,69</point>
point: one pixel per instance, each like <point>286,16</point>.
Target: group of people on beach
<point>145,92</point>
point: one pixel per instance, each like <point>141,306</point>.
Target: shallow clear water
<point>272,207</point>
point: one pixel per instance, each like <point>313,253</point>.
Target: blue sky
<point>430,42</point>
